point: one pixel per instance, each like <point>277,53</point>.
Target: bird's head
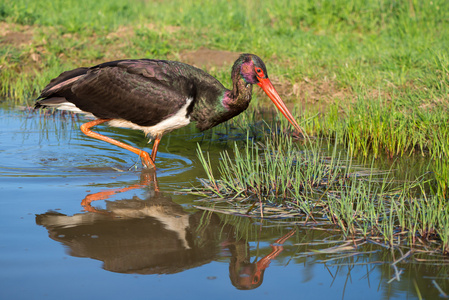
<point>250,67</point>
<point>252,70</point>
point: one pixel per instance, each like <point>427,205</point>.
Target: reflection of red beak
<point>269,89</point>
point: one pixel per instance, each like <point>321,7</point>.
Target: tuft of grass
<point>360,202</point>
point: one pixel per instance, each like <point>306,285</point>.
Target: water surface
<point>79,219</point>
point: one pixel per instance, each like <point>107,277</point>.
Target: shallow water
<point>141,240</point>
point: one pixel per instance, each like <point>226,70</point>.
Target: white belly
<point>173,122</point>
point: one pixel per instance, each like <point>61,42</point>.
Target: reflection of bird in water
<point>247,275</point>
<point>150,236</point>
<point>153,236</point>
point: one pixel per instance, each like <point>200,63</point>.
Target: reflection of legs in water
<point>246,275</point>
<point>276,250</point>
<point>146,178</point>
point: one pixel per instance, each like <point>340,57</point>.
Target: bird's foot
<point>146,160</point>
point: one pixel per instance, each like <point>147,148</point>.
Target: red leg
<point>146,160</point>
<point>155,146</point>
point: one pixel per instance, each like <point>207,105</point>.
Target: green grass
<point>361,202</point>
<point>84,17</point>
<point>388,127</point>
<point>363,46</point>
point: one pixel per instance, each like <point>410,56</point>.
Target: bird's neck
<point>239,97</point>
<point>225,105</point>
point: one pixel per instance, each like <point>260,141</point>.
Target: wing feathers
<point>62,80</point>
<point>144,92</point>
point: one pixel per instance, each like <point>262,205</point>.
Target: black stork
<point>157,96</point>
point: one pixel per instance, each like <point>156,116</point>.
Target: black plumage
<point>125,89</point>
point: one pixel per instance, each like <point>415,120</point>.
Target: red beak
<point>269,89</point>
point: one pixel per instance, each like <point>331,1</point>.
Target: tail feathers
<point>50,102</point>
<point>58,103</point>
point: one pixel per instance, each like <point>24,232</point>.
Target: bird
<point>157,97</point>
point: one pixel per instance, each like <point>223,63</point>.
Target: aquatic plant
<point>359,201</point>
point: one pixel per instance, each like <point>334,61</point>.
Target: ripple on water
<point>36,146</point>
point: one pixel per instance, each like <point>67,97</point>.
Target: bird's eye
<point>260,73</point>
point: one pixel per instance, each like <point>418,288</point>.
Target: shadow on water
<point>152,241</point>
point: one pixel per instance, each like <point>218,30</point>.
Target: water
<point>141,240</point>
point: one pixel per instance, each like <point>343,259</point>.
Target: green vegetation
<point>362,203</point>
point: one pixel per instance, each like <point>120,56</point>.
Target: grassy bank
<point>381,65</point>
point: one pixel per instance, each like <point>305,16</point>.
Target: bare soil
<point>15,35</point>
<point>207,58</point>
